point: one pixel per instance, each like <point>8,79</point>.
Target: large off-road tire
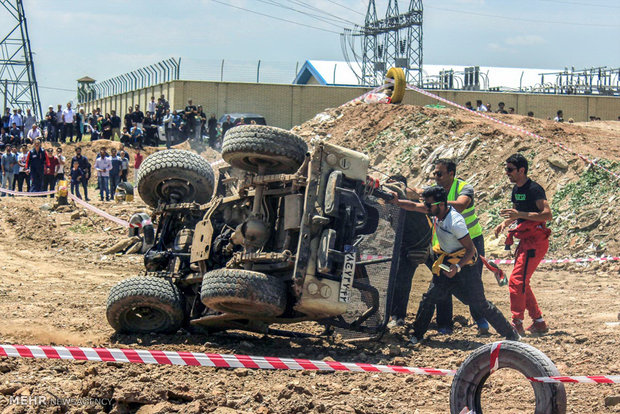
<point>249,146</point>
<point>243,292</point>
<point>140,225</point>
<point>471,376</point>
<point>175,175</point>
<point>400,84</point>
<point>144,305</point>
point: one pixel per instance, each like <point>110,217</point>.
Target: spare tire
<point>470,378</point>
<point>175,176</point>
<point>400,84</point>
<point>243,292</point>
<point>144,305</point>
<point>249,146</point>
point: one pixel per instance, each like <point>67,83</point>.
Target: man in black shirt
<point>137,116</point>
<point>531,211</point>
<point>212,129</point>
<point>190,119</point>
<point>50,118</point>
<point>226,125</point>
<point>85,167</point>
<point>116,124</point>
<point>128,121</point>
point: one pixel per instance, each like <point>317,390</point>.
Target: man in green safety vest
<point>461,198</point>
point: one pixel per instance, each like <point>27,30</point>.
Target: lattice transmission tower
<point>17,77</point>
<point>395,40</point>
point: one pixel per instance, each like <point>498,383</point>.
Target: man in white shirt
<point>60,168</point>
<point>480,106</point>
<point>59,123</point>
<point>29,120</point>
<point>103,165</point>
<point>33,133</point>
<point>18,120</point>
<point>68,116</point>
<point>152,105</point>
<point>23,172</point>
<point>454,272</point>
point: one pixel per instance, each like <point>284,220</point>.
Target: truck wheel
<point>175,176</point>
<point>471,376</point>
<point>143,229</point>
<point>145,304</point>
<point>243,292</point>
<point>249,146</point>
<point>400,83</point>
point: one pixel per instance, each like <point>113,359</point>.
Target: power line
<point>276,18</point>
<point>56,89</point>
<point>311,7</point>
<point>582,4</point>
<point>346,7</point>
<point>495,16</point>
<point>314,16</point>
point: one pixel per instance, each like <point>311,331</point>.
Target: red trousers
<point>528,255</point>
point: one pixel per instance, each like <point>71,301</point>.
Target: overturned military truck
<point>280,239</point>
<point>275,239</point>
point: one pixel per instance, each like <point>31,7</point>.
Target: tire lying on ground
<point>145,304</point>
<point>470,378</point>
<point>175,176</point>
<point>243,292</point>
<point>278,150</point>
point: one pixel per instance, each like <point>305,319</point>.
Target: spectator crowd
<point>32,168</point>
<point>136,128</point>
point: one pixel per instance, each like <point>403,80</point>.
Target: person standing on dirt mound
<point>85,167</point>
<point>531,212</point>
<point>103,165</point>
<point>454,270</point>
<point>461,198</point>
<point>35,162</point>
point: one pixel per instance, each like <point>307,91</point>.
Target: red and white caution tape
<point>494,363</point>
<point>142,356</point>
<point>577,260</point>
<point>583,379</point>
<point>516,128</point>
<point>98,211</point>
<point>27,194</point>
<point>510,261</point>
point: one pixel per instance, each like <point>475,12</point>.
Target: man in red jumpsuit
<point>531,211</point>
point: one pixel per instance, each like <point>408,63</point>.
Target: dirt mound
<point>408,139</point>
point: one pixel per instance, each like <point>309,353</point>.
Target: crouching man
<point>455,252</point>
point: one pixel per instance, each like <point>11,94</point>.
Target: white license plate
<point>348,273</point>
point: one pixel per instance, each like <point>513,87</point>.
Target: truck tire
<point>470,378</point>
<point>243,292</point>
<point>278,150</point>
<point>144,229</point>
<point>145,304</point>
<point>400,83</point>
<point>175,175</point>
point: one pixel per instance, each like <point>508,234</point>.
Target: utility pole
<point>16,63</point>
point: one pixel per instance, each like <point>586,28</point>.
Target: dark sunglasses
<point>510,169</point>
<point>437,174</point>
<point>429,205</point>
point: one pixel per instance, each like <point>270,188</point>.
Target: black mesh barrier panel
<point>373,272</point>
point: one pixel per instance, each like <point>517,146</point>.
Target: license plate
<point>348,272</point>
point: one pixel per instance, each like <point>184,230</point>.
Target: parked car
<point>247,118</point>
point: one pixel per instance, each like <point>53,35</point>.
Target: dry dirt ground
<point>55,282</point>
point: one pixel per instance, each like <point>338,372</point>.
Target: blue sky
<point>102,39</point>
